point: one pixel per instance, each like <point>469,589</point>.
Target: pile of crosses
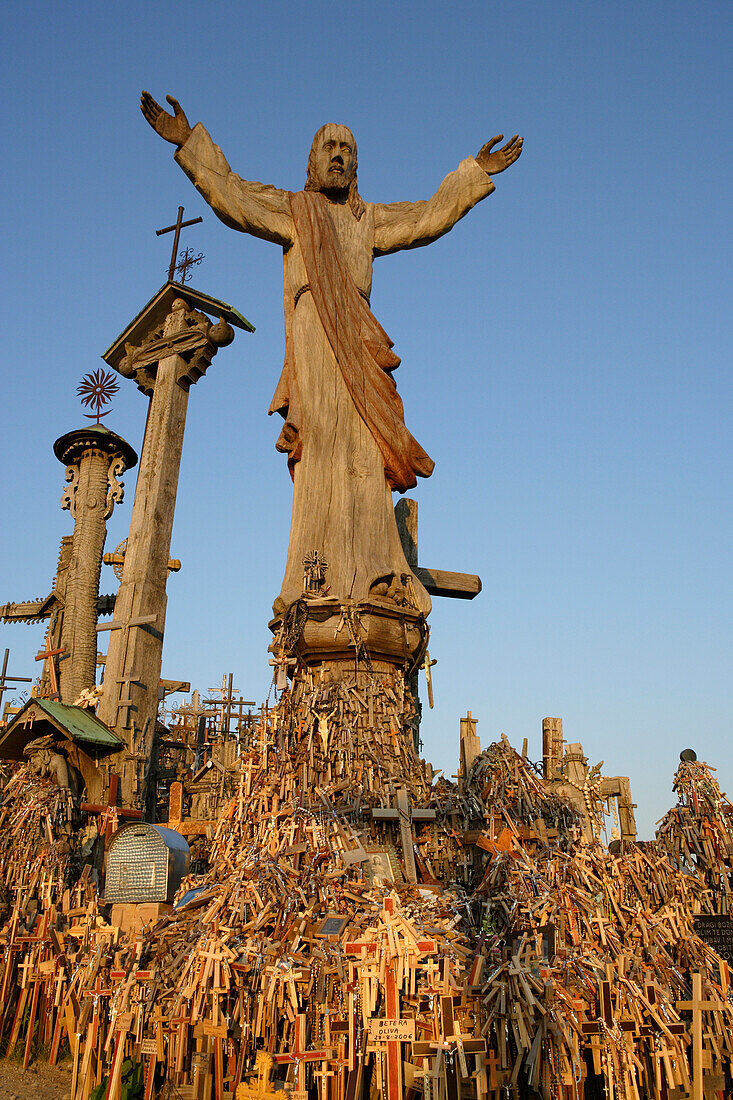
<point>366,929</point>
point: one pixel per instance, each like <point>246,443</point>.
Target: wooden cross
<point>299,1057</point>
<point>227,703</point>
<point>281,665</point>
<point>5,679</point>
<point>438,582</point>
<point>111,811</point>
<point>117,624</point>
<point>175,815</point>
<point>47,656</point>
<point>405,815</point>
<point>139,622</point>
<point>427,666</point>
<point>127,704</point>
<point>176,229</point>
<point>394,1047</point>
<point>697,1006</point>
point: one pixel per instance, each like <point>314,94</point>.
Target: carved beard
<point>337,183</point>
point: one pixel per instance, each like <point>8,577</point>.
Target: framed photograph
<point>332,924</point>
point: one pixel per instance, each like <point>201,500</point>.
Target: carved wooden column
<point>95,460</point>
<point>167,348</point>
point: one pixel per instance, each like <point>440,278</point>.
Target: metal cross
<point>176,229</point>
<point>5,679</point>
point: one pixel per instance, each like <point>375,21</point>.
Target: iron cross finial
<point>176,230</point>
<point>187,260</point>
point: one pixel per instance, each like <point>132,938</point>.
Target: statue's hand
<point>173,128</point>
<point>502,158</point>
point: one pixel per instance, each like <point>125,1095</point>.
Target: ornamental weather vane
<point>96,390</point>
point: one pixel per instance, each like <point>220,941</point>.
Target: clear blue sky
<point>565,351</point>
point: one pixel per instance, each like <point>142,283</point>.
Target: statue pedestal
<point>376,633</point>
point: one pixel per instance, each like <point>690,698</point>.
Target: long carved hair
<point>312,183</point>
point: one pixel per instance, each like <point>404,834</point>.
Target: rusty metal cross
<point>5,679</point>
<point>176,230</point>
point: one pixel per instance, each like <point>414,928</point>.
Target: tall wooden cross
<point>176,228</point>
<point>299,1057</point>
<point>47,656</point>
<point>140,622</point>
<point>697,1006</point>
<point>438,582</point>
<point>111,811</point>
<point>227,703</point>
<point>403,813</point>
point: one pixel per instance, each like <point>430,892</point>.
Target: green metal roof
<point>82,725</point>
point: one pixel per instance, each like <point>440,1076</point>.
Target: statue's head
<point>332,164</point>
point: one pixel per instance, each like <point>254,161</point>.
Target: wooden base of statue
<point>319,631</point>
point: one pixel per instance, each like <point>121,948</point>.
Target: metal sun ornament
<point>96,390</point>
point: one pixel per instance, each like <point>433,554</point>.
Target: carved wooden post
<point>167,348</point>
<point>552,745</point>
<point>95,460</point>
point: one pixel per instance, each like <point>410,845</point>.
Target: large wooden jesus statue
<point>344,430</point>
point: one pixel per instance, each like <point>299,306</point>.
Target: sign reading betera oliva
<point>718,933</point>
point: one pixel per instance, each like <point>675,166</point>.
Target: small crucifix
<point>176,229</point>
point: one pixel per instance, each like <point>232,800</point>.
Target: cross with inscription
<point>176,228</point>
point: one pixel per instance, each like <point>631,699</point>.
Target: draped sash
<point>361,348</point>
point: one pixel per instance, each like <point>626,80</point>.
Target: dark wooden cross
<point>299,1057</point>
<point>227,703</point>
<point>111,810</point>
<point>449,1041</point>
<point>5,679</point>
<point>438,582</point>
<point>403,813</point>
<point>176,229</point>
<point>47,655</point>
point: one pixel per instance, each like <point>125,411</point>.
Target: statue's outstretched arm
<point>255,208</point>
<point>400,225</point>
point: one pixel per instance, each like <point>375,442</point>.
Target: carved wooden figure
<point>344,431</point>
